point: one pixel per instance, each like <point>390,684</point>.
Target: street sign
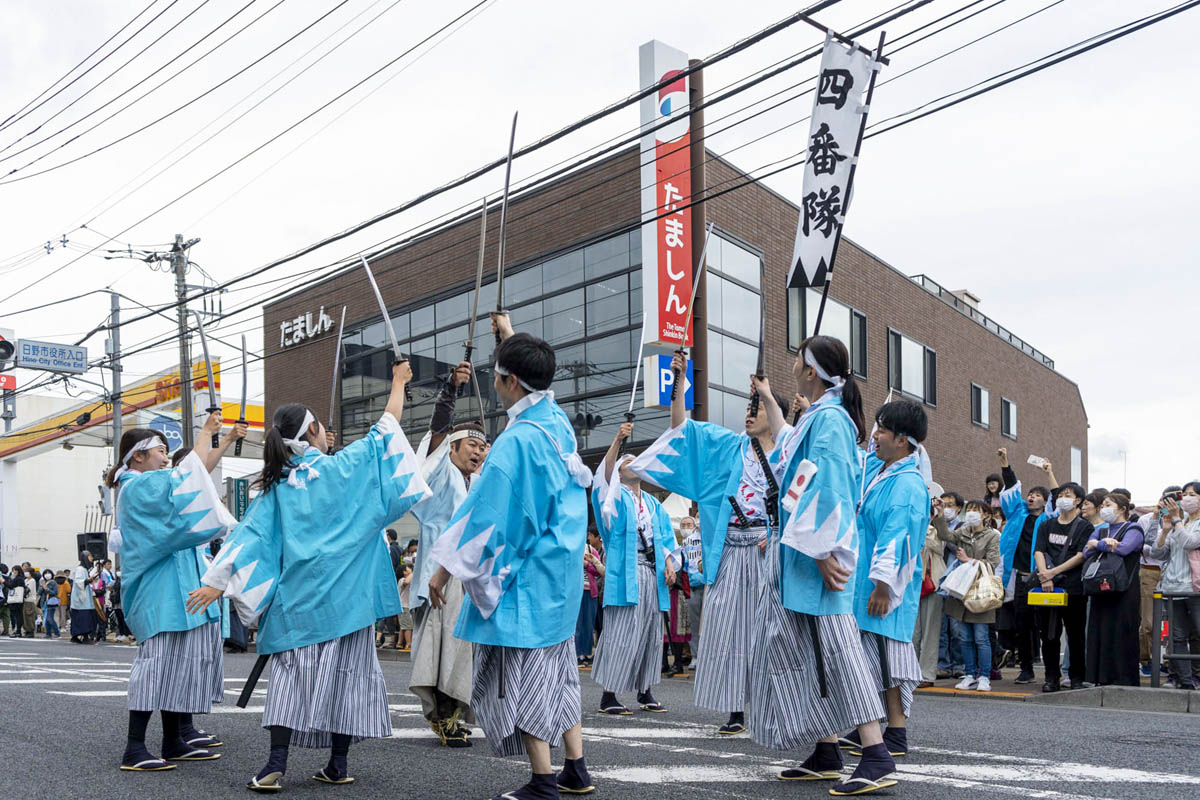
<point>8,381</point>
<point>51,356</point>
<point>237,496</point>
<point>659,378</point>
<point>170,429</point>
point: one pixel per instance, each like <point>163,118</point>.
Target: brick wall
<point>1050,413</point>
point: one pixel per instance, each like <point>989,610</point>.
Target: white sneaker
<point>984,685</point>
<point>967,684</point>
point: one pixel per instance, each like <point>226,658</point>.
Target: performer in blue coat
<point>308,563</point>
<point>638,540</point>
<point>517,544</point>
<point>718,468</point>
<point>812,679</point>
<point>450,455</point>
<point>162,517</point>
<point>893,518</point>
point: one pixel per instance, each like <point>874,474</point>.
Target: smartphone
<point>1176,496</point>
<point>1037,461</point>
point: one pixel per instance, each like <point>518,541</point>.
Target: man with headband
<point>638,540</point>
<point>441,663</point>
<point>514,540</point>
<point>893,517</point>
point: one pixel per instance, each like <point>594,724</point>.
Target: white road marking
<point>63,680</point>
<point>118,693</point>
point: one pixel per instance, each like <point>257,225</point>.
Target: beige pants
<point>1149,579</point>
<point>925,639</point>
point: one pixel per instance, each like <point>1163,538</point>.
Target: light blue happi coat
<point>617,522</point>
<point>164,517</point>
<point>517,541</point>
<point>447,490</point>
<point>893,520</point>
<point>705,463</point>
<point>308,562</point>
<point>1012,503</point>
<point>822,523</point>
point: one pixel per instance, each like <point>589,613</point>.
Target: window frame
<point>1004,422</point>
<point>929,355</point>
<point>985,407</point>
<point>857,316</point>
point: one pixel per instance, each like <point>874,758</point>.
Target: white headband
<point>505,373</point>
<point>811,360</point>
<point>300,444</point>
<point>149,443</point>
<point>468,433</point>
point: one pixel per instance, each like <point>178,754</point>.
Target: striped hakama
<point>442,666</point>
<point>179,671</point>
<point>327,688</point>
<point>786,710</point>
<point>629,653</point>
<point>904,668</point>
<point>723,655</point>
<point>541,694</point>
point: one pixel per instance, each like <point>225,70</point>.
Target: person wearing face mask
<point>950,646</point>
<point>1176,542</point>
<point>1112,646</point>
<point>1024,515</point>
<point>1058,556</point>
<point>973,541</point>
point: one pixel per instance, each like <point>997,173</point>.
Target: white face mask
<point>1108,514</point>
<point>1065,504</point>
<point>973,518</point>
<point>949,513</point>
<point>1190,504</point>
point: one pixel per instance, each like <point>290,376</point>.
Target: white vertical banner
<point>666,175</point>
<point>832,139</point>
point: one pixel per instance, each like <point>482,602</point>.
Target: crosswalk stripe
<point>75,679</point>
<point>116,693</point>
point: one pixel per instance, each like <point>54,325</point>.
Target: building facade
<point>574,278</point>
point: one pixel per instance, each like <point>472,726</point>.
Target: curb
<point>1131,698</point>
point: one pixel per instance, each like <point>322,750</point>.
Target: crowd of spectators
<point>83,603</point>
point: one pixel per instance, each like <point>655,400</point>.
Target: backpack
<point>1106,575</point>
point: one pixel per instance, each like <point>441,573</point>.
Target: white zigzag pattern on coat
<point>216,517</point>
<point>804,535</point>
<point>468,565</point>
<point>651,458</point>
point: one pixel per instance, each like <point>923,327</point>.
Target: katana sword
<point>470,345</point>
<point>212,392</point>
<point>387,320</point>
<point>337,374</point>
<point>504,225</point>
<point>760,368</point>
<point>637,371</point>
<point>691,308</point>
<point>237,447</point>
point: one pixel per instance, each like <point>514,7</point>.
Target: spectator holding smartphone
<point>1178,537</point>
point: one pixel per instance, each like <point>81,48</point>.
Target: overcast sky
<point>1064,200</point>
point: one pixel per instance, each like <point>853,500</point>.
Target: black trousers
<point>1022,635</point>
<point>1053,620</point>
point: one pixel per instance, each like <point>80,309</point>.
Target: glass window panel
<point>377,374</point>
<point>522,286</point>
<point>485,345</point>
<point>562,271</point>
<point>400,326</point>
<point>570,369</point>
<point>735,411</point>
<point>607,304</point>
<point>604,258</point>
<point>714,302</point>
<point>716,350</point>
<point>351,387</point>
<point>739,311</point>
<point>635,247</point>
<point>374,335</point>
<point>487,299</point>
<point>452,309</point>
<point>931,377</point>
<point>795,318</point>
<point>912,367</point>
<point>716,406</point>
<point>527,318</point>
<point>739,263</point>
<point>422,321</point>
<point>738,360</point>
<point>858,348</point>
<point>563,321</point>
<point>352,339</point>
<point>450,344</point>
<point>1076,465</point>
<point>609,363</point>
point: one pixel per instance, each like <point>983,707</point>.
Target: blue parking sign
<point>659,379</point>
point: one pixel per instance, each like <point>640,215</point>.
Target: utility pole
<point>699,224</point>
<point>179,262</point>
<point>114,345</point>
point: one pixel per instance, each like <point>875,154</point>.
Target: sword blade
<point>696,284</point>
<point>504,217</point>
<point>387,320</point>
<point>212,391</point>
<point>478,279</point>
<point>242,408</point>
<point>337,365</point>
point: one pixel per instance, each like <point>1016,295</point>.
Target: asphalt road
<point>63,721</point>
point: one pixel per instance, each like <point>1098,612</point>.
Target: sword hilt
<point>237,447</point>
<point>629,416</point>
<point>407,391</point>
<point>675,383</point>
<point>216,437</point>
<point>755,399</point>
<point>796,417</point>
<point>503,311</point>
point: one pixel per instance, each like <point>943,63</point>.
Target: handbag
<point>961,580</point>
<point>986,593</point>
<point>1106,574</point>
<point>927,585</point>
